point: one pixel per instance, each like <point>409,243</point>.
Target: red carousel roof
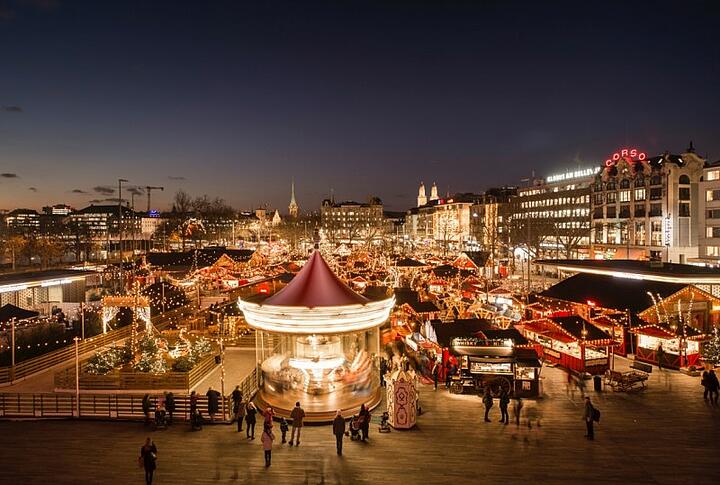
<point>316,286</point>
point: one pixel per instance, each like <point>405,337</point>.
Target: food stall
<point>680,344</point>
<point>570,342</point>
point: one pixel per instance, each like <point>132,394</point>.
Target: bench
<point>625,381</point>
<point>641,366</point>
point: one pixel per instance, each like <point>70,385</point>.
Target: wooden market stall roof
<point>10,312</point>
<point>610,292</point>
<point>567,329</point>
<point>316,286</point>
<point>665,331</point>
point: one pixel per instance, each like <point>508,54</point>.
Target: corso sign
<point>629,154</point>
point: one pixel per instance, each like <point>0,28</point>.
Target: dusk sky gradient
<point>234,98</point>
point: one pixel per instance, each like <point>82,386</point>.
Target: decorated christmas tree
<point>151,358</point>
<point>711,349</point>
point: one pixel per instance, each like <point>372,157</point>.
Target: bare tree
<point>182,206</point>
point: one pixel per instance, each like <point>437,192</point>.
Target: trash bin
<point>597,383</point>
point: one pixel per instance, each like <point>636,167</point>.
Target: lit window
<point>639,194</point>
<point>713,175</point>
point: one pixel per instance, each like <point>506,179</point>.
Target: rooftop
<point>639,270</point>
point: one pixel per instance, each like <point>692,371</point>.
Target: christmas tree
<point>711,349</point>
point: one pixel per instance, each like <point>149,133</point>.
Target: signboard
<point>586,172</point>
<point>628,154</point>
<point>595,362</point>
<point>667,231</point>
<point>551,353</point>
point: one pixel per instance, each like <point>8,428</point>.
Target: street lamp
<point>120,220</point>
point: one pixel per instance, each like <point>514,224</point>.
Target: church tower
<point>433,192</point>
<point>422,195</point>
<point>293,208</point>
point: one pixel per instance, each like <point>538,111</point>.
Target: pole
<point>12,350</point>
<point>82,319</point>
<point>222,365</point>
<point>162,292</point>
<point>77,375</point>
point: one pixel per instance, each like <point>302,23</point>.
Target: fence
<point>41,363</point>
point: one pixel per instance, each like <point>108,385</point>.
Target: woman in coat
<point>267,439</point>
<point>488,402</point>
<point>250,418</point>
<point>148,456</point>
<point>364,416</point>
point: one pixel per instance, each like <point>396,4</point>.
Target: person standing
<point>213,402</point>
<point>448,374</point>
<point>250,413</point>
<point>268,416</point>
<point>705,383</point>
<point>339,431</point>
<point>241,415</point>
<point>364,418</point>
<point>170,405</point>
<point>504,401</point>
<point>146,407</point>
<point>297,415</point>
<point>660,354</point>
<point>436,373</point>
<point>589,417</point>
<point>383,370</point>
<point>267,441</point>
<point>148,458</point>
<point>714,386</point>
<point>488,402</point>
<point>236,400</point>
<point>283,430</point>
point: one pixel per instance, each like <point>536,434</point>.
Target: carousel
<point>315,343</point>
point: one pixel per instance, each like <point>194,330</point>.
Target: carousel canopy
<point>316,301</point>
<point>9,312</point>
<point>315,286</point>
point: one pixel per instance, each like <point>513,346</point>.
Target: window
<point>624,184</point>
<point>598,213</point>
<point>610,186</point>
<point>712,231</point>
<point>684,179</point>
<point>713,175</point>
<point>625,211</point>
<point>639,210</point>
<point>599,233</point>
<point>713,214</point>
<point>624,239</point>
<point>611,211</point>
<point>712,195</point>
<point>684,193</point>
<point>684,209</point>
<point>655,210</point>
<point>712,251</point>
<point>656,180</point>
<point>656,193</point>
<point>598,199</point>
<point>611,197</point>
<point>640,234</point>
<point>640,181</point>
<point>639,194</point>
<point>624,196</point>
<point>656,233</point>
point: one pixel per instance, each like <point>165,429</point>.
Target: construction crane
<point>149,189</point>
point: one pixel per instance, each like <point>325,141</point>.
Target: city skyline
<point>237,100</point>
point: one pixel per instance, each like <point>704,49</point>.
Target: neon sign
<point>628,154</point>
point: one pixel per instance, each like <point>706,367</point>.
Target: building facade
<point>647,207</point>
<point>352,222</point>
<point>709,215</point>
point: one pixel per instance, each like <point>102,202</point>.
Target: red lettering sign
<point>628,154</point>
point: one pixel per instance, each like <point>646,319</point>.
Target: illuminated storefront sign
<point>628,154</point>
<point>667,231</point>
<point>586,172</point>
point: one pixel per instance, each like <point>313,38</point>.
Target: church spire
<point>293,208</point>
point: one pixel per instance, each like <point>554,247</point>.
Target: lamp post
<point>82,319</point>
<point>12,350</point>
<point>120,228</point>
<point>77,375</point>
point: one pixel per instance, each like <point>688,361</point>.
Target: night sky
<point>235,98</point>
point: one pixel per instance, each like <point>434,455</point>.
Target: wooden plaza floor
<point>663,435</point>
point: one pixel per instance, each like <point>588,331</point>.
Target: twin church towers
<point>422,194</point>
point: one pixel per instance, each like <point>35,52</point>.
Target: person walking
<point>213,402</point>
<point>517,410</point>
<point>170,405</point>
<point>250,418</point>
<point>488,402</point>
<point>448,374</point>
<point>339,431</point>
<point>267,439</point>
<point>504,401</point>
<point>713,386</point>
<point>148,459</point>
<point>297,415</point>
<point>436,373</point>
<point>705,383</point>
<point>146,408</point>
<point>364,418</point>
<point>383,370</point>
<point>236,400</point>
<point>589,417</point>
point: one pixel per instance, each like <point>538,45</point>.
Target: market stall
<point>677,345</point>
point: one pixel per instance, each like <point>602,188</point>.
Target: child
<point>267,439</point>
<point>283,429</point>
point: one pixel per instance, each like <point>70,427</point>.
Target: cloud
<point>114,200</point>
<point>135,190</point>
<point>176,177</point>
<point>32,189</point>
<point>95,201</point>
<point>78,191</point>
<point>104,190</point>
<point>12,108</point>
<point>9,175</point>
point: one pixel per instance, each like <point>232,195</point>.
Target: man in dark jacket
<point>146,407</point>
<point>588,416</point>
<point>213,402</point>
<point>148,456</point>
<point>713,386</point>
<point>236,399</point>
<point>170,405</point>
<point>488,402</point>
<point>339,431</point>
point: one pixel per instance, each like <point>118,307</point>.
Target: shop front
<point>670,346</point>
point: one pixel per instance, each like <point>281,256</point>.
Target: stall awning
<point>11,312</point>
<point>529,363</point>
<point>492,352</point>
